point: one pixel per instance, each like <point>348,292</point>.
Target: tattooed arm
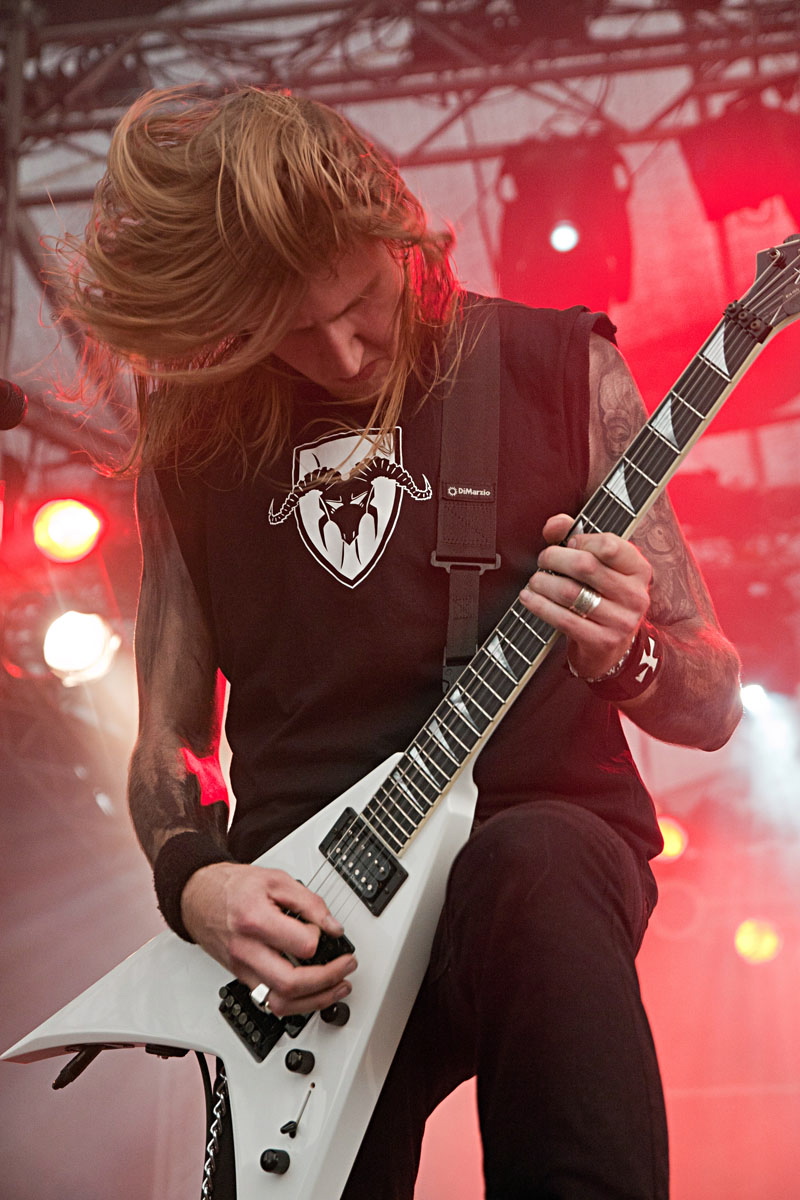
<point>694,699</point>
<point>237,912</point>
<point>175,757</point>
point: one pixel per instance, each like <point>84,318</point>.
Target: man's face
<point>345,331</point>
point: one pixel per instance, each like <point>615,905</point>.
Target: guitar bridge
<point>260,1030</point>
<point>363,861</point>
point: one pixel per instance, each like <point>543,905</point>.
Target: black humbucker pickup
<point>363,861</point>
<point>260,1030</point>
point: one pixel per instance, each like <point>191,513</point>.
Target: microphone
<point>13,404</point>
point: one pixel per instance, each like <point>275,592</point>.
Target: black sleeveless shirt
<point>330,621</point>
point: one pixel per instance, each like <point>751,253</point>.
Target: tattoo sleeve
<point>694,700</point>
<point>175,785</point>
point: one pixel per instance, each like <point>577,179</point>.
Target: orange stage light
<point>66,530</point>
<point>757,941</point>
<point>676,839</point>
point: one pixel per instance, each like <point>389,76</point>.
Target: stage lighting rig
<point>453,32</point>
<point>565,237</point>
<point>745,156</point>
<point>59,612</point>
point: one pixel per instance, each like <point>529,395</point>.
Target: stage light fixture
<point>66,530</point>
<point>565,237</point>
<point>39,640</point>
<point>79,647</point>
<point>744,157</point>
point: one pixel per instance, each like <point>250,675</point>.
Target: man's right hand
<point>238,914</point>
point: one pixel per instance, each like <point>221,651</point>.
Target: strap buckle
<point>465,564</point>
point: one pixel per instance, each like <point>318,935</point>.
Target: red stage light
<point>66,530</point>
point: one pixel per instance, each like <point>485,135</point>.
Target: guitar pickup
<point>258,1030</point>
<point>261,1030</point>
<point>363,861</point>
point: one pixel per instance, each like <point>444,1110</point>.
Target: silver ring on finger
<point>260,997</point>
<point>585,602</point>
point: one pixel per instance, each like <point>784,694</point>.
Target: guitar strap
<point>468,469</point>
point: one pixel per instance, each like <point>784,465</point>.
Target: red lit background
<point>662,137</point>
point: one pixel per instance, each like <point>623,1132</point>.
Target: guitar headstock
<point>775,295</point>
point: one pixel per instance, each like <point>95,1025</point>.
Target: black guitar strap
<point>467,515</point>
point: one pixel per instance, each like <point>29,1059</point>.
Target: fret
<point>473,700</point>
<point>522,617</point>
<point>638,486</point>
<point>499,659</point>
<point>406,823</point>
<point>443,722</point>
<point>660,453</point>
<point>618,490</point>
<point>461,728</point>
<point>513,646</point>
<point>685,421</point>
<point>493,677</point>
<point>415,786</point>
<point>440,740</point>
<point>500,699</point>
<point>614,515</point>
<point>683,400</point>
<point>456,702</point>
<point>383,815</point>
<point>700,380</point>
<point>386,836</point>
<point>446,763</point>
<point>719,370</point>
<point>422,762</point>
<point>635,466</point>
<point>401,780</point>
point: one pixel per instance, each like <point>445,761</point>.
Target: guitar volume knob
<point>275,1162</point>
<point>336,1014</point>
<point>300,1062</point>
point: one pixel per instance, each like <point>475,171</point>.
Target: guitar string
<point>602,512</point>
<point>736,341</point>
<point>683,416</point>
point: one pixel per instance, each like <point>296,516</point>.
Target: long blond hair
<point>210,219</point>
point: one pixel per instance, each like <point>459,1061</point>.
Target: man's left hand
<point>614,570</point>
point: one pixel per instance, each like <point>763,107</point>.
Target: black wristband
<point>176,862</point>
<point>642,664</point>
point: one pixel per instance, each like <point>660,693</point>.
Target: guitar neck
<point>491,681</point>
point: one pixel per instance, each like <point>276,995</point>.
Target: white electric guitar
<point>302,1090</point>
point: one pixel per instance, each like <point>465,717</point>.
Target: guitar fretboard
<point>484,690</point>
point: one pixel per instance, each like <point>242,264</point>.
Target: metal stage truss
<point>66,83</point>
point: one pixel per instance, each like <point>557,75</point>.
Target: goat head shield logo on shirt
<point>346,496</point>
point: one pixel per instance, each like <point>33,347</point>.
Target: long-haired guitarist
<point>294,330</point>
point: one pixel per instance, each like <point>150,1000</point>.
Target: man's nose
<point>343,349</point>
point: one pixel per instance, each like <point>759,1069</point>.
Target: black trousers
<point>532,987</point>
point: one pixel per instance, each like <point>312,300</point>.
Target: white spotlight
<point>564,237</point>
<point>79,647</point>
<point>755,699</point>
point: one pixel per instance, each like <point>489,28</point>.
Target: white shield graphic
<point>347,519</point>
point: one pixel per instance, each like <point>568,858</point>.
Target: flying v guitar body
<point>168,993</point>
